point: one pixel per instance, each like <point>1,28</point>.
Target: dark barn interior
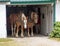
<point>25,8</point>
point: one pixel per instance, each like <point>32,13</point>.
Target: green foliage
<point>56,31</point>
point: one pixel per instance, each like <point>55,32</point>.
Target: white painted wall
<point>57,11</point>
<point>3,31</point>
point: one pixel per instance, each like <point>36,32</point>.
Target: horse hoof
<point>22,35</point>
<point>32,35</point>
<point>16,36</point>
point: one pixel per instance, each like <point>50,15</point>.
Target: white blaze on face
<point>25,23</point>
<point>25,20</point>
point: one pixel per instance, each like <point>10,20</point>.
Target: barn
<point>44,8</point>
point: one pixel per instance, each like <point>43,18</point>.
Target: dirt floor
<point>31,41</point>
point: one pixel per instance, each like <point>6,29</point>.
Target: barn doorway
<point>42,11</point>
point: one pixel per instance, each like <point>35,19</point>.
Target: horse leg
<point>22,31</point>
<point>12,29</point>
<point>31,31</point>
<point>17,32</point>
<point>28,32</point>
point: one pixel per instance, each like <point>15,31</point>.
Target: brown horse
<point>32,22</point>
<point>21,22</point>
<point>17,20</point>
<point>13,17</point>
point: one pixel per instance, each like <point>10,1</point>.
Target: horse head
<point>24,19</point>
<point>34,17</point>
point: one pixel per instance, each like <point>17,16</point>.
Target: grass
<point>56,39</point>
<point>5,40</point>
<point>8,44</point>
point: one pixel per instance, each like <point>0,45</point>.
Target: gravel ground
<point>36,41</point>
